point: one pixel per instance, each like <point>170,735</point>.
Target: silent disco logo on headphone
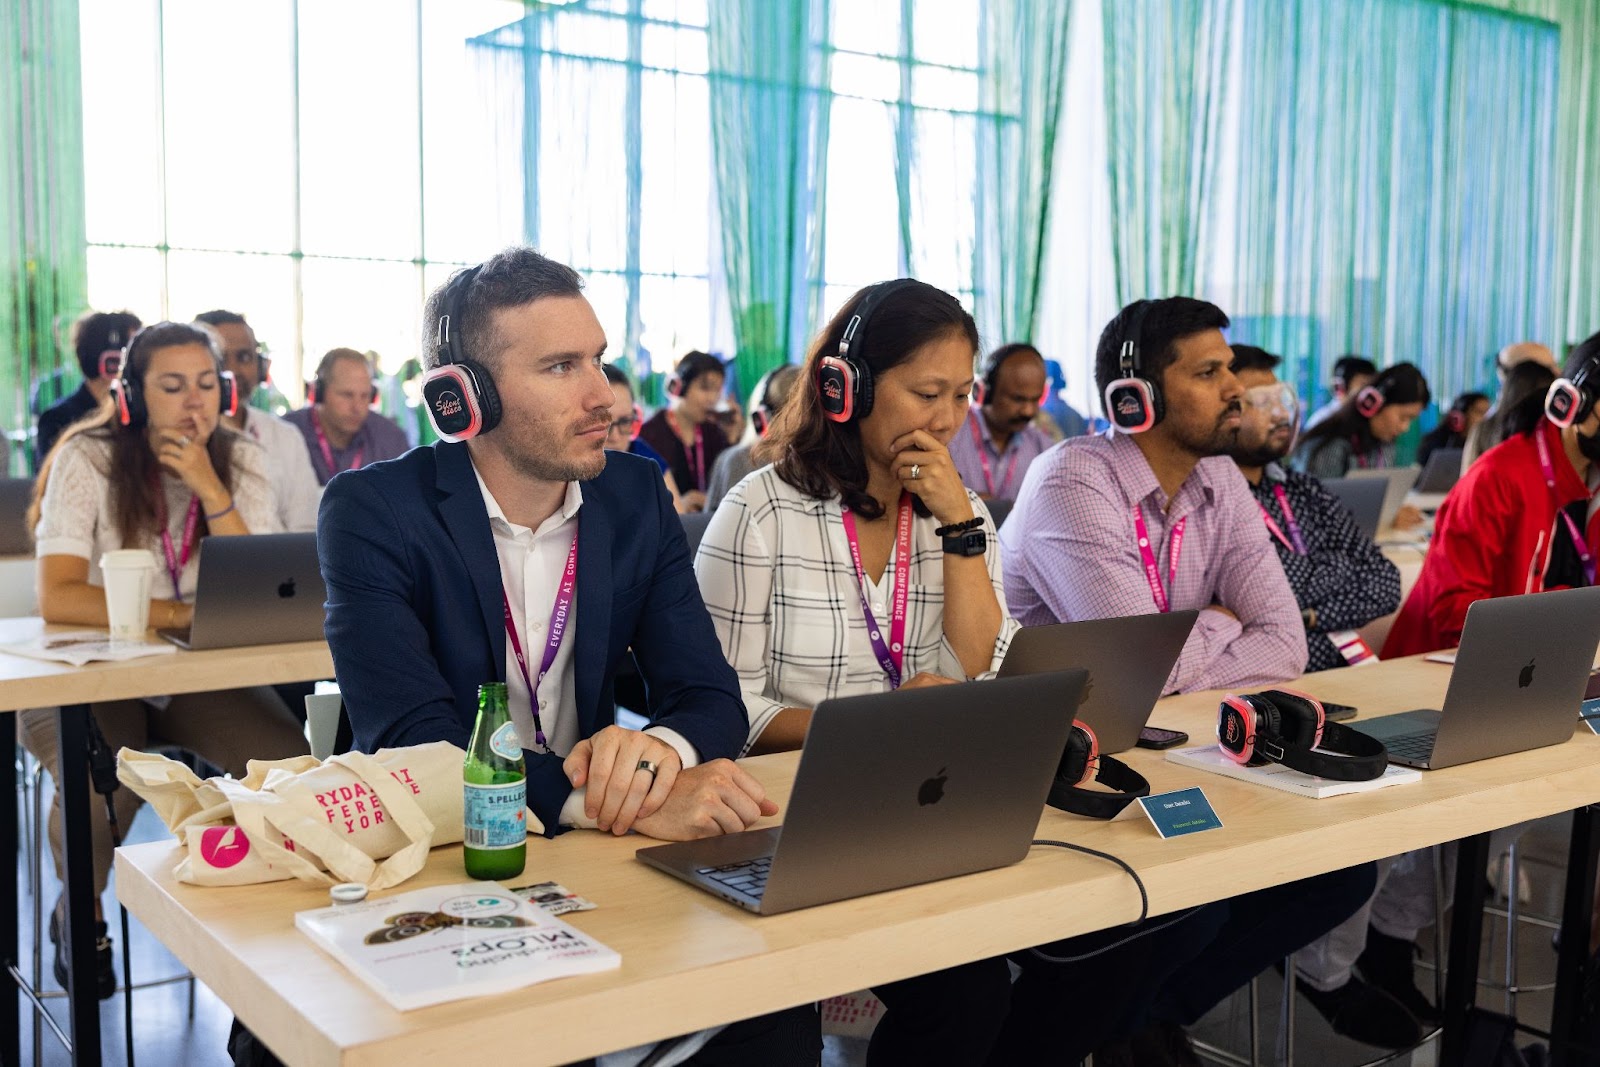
<point>1128,405</point>
<point>832,389</point>
<point>448,405</point>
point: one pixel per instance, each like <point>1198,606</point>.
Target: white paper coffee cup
<point>129,575</point>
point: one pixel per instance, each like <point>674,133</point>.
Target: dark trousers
<point>949,1016</point>
<point>1176,970</point>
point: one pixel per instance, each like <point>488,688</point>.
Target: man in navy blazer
<point>414,552</point>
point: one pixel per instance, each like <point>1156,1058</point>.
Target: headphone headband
<point>844,381</point>
<point>1133,402</point>
<point>1081,762</point>
<point>1289,728</point>
<point>1571,399</point>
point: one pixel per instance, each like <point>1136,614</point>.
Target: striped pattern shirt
<point>776,575</point>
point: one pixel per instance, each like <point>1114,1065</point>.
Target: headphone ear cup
<point>228,388</point>
<point>980,392</point>
<point>1133,405</point>
<point>1080,757</point>
<point>674,386</point>
<point>638,422</point>
<point>1300,718</point>
<point>839,389</point>
<point>1455,422</point>
<point>1369,401</point>
<point>130,404</point>
<point>758,419</point>
<point>1563,404</point>
<point>462,400</point>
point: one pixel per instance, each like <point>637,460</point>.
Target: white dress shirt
<point>531,566</point>
<point>294,483</point>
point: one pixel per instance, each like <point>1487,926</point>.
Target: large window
<point>321,166</point>
<point>312,165</point>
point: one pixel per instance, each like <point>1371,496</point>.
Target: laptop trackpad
<point>1421,721</point>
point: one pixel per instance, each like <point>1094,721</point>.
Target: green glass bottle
<point>495,838</point>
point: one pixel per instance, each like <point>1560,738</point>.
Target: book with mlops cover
<point>450,942</point>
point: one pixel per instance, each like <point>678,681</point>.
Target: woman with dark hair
<point>686,432</point>
<point>1519,520</point>
<point>811,563</point>
<point>1466,413</point>
<point>152,469</point>
<point>1518,410</point>
<point>1363,431</point>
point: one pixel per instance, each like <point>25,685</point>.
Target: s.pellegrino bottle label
<point>495,798</point>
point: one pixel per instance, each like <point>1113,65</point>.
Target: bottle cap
<point>348,893</point>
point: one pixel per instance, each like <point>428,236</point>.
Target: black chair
<point>998,510</point>
<point>694,528</point>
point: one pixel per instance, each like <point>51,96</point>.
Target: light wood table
<point>29,683</point>
<point>691,961</point>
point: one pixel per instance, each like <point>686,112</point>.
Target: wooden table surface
<point>36,683</point>
<point>690,960</point>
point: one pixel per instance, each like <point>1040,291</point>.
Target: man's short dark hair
<point>512,278</point>
<point>1249,357</point>
<point>101,331</point>
<point>615,376</point>
<point>1166,321</point>
<point>694,364</point>
<point>1347,367</point>
<point>220,317</point>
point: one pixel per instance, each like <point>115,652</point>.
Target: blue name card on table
<point>1589,710</point>
<point>1185,811</point>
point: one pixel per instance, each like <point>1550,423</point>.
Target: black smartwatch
<point>966,543</point>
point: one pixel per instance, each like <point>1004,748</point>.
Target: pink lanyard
<point>327,452</point>
<point>558,629</point>
<point>175,562</point>
<point>1356,454</point>
<point>1147,553</point>
<point>891,657</point>
<point>983,458</point>
<point>1578,541</point>
<point>1299,545</point>
<point>699,450</point>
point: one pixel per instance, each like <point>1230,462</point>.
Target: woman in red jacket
<point>1521,520</point>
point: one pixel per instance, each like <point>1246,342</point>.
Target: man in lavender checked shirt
<point>1072,544</point>
<point>1072,550</point>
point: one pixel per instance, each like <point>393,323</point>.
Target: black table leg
<point>1466,942</point>
<point>10,1017</point>
<point>79,878</point>
<point>1575,923</point>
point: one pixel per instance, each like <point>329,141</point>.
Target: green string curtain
<point>769,127</point>
<point>1373,212</point>
<point>1023,46</point>
<point>1576,297</point>
<point>42,241</point>
<point>1166,91</point>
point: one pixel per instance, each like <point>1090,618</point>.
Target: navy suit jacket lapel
<point>467,521</point>
<point>592,628</point>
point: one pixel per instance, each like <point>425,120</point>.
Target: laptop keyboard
<point>1411,746</point>
<point>748,877</point>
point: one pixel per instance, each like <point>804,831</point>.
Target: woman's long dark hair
<point>134,475</point>
<point>1402,383</point>
<point>1521,407</point>
<point>822,458</point>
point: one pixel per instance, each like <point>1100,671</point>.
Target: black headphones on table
<point>460,394</point>
<point>127,391</point>
<point>844,382</point>
<point>1281,726</point>
<point>1571,399</point>
<point>1134,403</point>
<point>1082,763</point>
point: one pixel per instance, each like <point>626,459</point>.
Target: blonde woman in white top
<point>152,469</point>
<point>825,575</point>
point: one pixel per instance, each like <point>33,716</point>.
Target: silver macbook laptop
<point>15,537</point>
<point>1517,682</point>
<point>1127,660</point>
<point>1400,481</point>
<point>896,789</point>
<point>1442,471</point>
<point>264,589</point>
<point>1364,498</point>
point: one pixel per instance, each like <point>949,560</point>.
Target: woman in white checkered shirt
<point>805,560</point>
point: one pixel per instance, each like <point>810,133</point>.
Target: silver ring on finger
<point>646,765</point>
<point>916,471</point>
